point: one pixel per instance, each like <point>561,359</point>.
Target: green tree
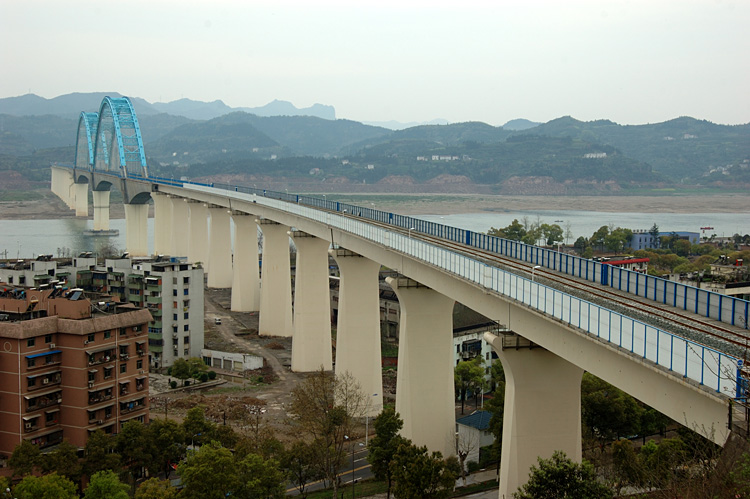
<point>626,465</point>
<point>581,244</point>
<point>197,367</point>
<point>608,411</point>
<point>654,232</point>
<point>682,247</point>
<point>99,453</point>
<point>154,488</point>
<point>299,462</point>
<point>468,376</point>
<point>196,427</point>
<point>52,486</point>
<point>553,234</point>
<point>559,477</point>
<point>325,407</point>
<point>417,474</point>
<point>137,449</point>
<point>384,445</point>
<point>63,461</point>
<point>209,473</point>
<point>106,485</point>
<point>597,239</point>
<point>515,231</point>
<point>169,439</point>
<point>180,370</point>
<point>259,478</point>
<point>25,458</point>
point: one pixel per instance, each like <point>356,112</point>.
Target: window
<point>10,279</point>
<point>174,317</point>
<point>123,331</point>
<point>92,376</point>
<point>137,328</point>
<point>458,348</point>
<point>48,338</point>
<point>30,362</point>
<point>186,327</point>
<point>187,352</point>
<point>30,382</point>
<point>174,304</point>
<point>108,412</point>
<point>107,372</point>
<point>123,368</point>
<point>174,281</point>
<point>185,280</point>
<point>174,341</point>
<point>50,418</point>
<point>187,315</point>
<point>139,364</point>
<point>487,356</point>
<point>107,335</point>
<point>186,340</point>
<point>30,342</point>
<point>90,338</point>
<point>185,303</point>
<point>174,292</point>
<point>185,291</point>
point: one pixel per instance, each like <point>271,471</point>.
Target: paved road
<point>359,465</point>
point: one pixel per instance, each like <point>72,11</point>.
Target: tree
<point>417,474</point>
<point>515,231</point>
<point>259,478</point>
<point>384,445</point>
<point>552,234</point>
<point>25,457</point>
<point>99,453</point>
<point>324,407</point>
<point>197,367</point>
<point>299,461</point>
<point>63,461</point>
<point>180,370</point>
<point>468,376</point>
<point>581,244</point>
<point>209,473</point>
<point>106,485</point>
<point>138,451</point>
<point>559,477</point>
<point>597,239</point>
<point>169,438</point>
<point>626,466</point>
<point>654,232</point>
<point>197,428</point>
<point>608,411</point>
<point>52,486</point>
<point>154,488</point>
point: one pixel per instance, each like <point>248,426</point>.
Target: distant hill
<point>683,149</point>
<point>71,105</point>
<point>520,124</point>
<point>397,125</point>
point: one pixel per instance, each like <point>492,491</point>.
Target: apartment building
<point>69,366</point>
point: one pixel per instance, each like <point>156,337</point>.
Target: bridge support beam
<point>136,229</point>
<point>542,410</point>
<point>311,343</point>
<point>425,393</point>
<point>162,220</point>
<point>197,250</point>
<point>245,280</point>
<point>82,199</point>
<point>62,182</point>
<point>358,328</point>
<point>219,249</point>
<point>101,210</point>
<point>179,226</point>
<point>276,282</point>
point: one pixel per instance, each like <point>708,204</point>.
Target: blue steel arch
<point>87,126</point>
<point>118,146</point>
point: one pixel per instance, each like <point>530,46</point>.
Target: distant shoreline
<point>51,208</point>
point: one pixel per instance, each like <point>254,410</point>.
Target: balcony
<point>46,381</point>
<point>43,401</point>
<point>101,357</point>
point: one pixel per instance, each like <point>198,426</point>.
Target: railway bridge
<point>674,347</point>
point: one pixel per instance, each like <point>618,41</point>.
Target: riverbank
<point>44,205</point>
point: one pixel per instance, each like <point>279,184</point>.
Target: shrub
<point>204,377</point>
<point>472,466</point>
<point>212,375</point>
<point>187,382</point>
<point>173,384</point>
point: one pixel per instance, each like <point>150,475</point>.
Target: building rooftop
<point>477,419</point>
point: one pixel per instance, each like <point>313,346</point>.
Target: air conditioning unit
<point>91,384</point>
<point>29,425</point>
<point>101,421</point>
<point>52,345</point>
<point>141,371</point>
<point>85,342</point>
<point>45,381</point>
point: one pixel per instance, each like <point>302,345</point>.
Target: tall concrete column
<point>358,328</point>
<point>311,343</point>
<point>136,229</point>
<point>424,383</point>
<point>542,409</point>
<point>162,223</point>
<point>82,199</point>
<point>101,210</point>
<point>245,280</point>
<point>179,226</point>
<point>197,250</point>
<point>219,249</point>
<point>276,282</point>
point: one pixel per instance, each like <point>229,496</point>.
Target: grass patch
<point>388,349</point>
<point>475,487</point>
<point>361,489</point>
<point>228,389</point>
<point>20,196</point>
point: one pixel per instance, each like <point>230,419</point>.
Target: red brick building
<point>69,366</point>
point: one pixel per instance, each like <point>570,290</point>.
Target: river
<point>29,238</point>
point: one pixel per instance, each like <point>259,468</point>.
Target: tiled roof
<point>477,419</point>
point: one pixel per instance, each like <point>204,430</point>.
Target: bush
<point>212,375</point>
<point>472,466</point>
<point>173,384</point>
<point>187,382</point>
<point>169,371</point>
<point>204,377</point>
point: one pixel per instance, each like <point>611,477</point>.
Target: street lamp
<point>532,271</point>
<point>367,421</point>
<point>410,229</point>
<point>346,437</point>
<point>192,441</point>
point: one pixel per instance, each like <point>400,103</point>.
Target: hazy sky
<point>465,60</point>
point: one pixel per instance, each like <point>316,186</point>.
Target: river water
<point>29,238</point>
